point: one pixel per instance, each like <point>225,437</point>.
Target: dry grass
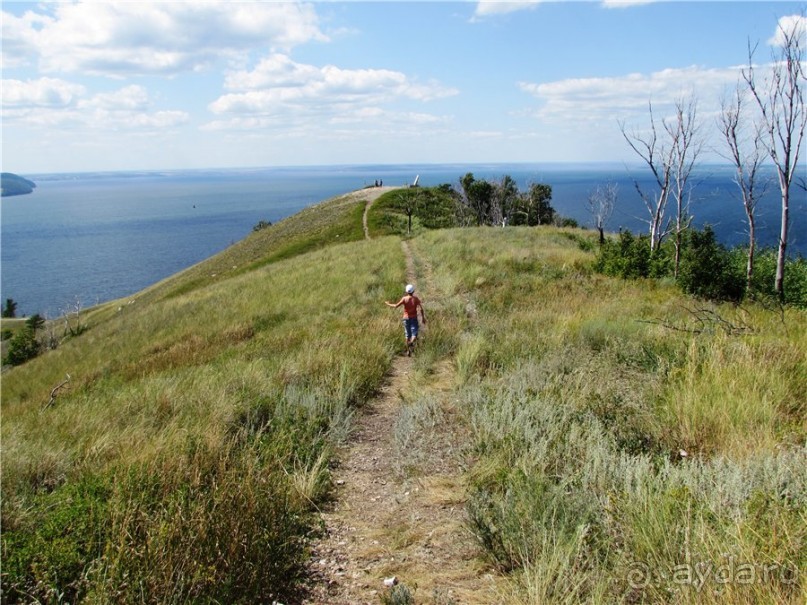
<point>575,395</point>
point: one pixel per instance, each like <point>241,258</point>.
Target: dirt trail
<point>371,195</point>
<point>399,503</point>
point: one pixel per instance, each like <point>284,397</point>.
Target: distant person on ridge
<point>411,304</point>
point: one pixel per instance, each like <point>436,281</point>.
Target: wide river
<point>92,237</point>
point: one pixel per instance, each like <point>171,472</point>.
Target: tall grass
<point>185,458</point>
<point>622,454</point>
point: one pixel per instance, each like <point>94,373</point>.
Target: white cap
<point>410,288</point>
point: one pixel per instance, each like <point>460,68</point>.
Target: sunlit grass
<point>621,427</point>
<point>261,371</point>
<point>615,425</point>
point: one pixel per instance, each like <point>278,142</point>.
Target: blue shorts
<point>410,327</point>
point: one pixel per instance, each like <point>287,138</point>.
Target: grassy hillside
<point>624,436</point>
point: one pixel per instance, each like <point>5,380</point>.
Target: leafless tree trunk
<point>505,194</point>
<point>687,145</point>
<point>601,204</point>
<point>746,153</point>
<point>409,204</point>
<point>780,100</point>
<point>72,320</point>
<point>659,158</point>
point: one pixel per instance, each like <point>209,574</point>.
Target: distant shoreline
<point>14,184</point>
<point>461,167</point>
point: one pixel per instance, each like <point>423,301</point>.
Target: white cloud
<point>488,8</point>
<point>18,36</point>
<point>129,98</point>
<point>49,102</point>
<point>792,24</point>
<point>597,99</point>
<point>150,37</point>
<point>625,3</point>
<point>44,92</point>
<point>491,8</point>
<point>280,86</point>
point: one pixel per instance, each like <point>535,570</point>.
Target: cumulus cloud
<point>19,38</point>
<point>49,102</point>
<point>119,39</point>
<point>791,24</point>
<point>44,92</point>
<point>594,99</point>
<point>488,8</point>
<point>280,86</point>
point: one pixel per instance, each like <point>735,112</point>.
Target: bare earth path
<point>399,504</point>
<point>371,195</point>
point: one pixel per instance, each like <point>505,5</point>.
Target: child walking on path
<point>411,304</point>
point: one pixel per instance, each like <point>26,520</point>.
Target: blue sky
<point>90,86</point>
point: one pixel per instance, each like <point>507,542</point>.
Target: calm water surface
<point>97,237</point>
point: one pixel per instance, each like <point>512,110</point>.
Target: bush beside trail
<point>708,270</point>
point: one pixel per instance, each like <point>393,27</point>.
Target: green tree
<point>479,198</point>
<point>24,344</point>
<point>10,309</point>
<point>22,347</point>
<point>534,207</point>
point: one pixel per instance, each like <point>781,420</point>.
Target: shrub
<point>400,594</point>
<point>627,257</point>
<point>706,270</point>
<point>22,347</point>
<point>763,279</point>
<point>565,221</point>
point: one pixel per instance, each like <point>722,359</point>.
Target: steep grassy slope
<point>630,444</point>
<point>183,457</point>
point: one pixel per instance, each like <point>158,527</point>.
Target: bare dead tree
<point>659,157</point>
<point>54,392</point>
<point>780,100</point>
<point>601,204</point>
<point>747,153</point>
<point>687,145</point>
<point>705,320</point>
<point>72,319</point>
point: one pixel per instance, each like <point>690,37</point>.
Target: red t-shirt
<point>410,305</point>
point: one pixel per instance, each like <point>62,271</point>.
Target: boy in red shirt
<point>411,304</point>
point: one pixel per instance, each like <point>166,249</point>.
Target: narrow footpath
<point>399,510</point>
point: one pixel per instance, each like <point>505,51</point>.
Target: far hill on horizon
<point>14,184</point>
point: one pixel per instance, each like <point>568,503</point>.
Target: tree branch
<point>53,393</point>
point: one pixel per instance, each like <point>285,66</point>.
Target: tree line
<point>763,120</point>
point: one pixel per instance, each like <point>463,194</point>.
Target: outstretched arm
<point>394,305</point>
